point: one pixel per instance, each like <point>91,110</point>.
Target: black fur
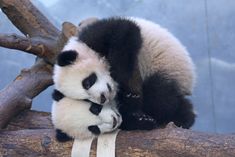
<point>96,108</point>
<point>132,116</point>
<point>94,129</point>
<point>137,121</point>
<point>89,81</point>
<point>61,136</point>
<point>163,101</point>
<point>128,104</point>
<point>66,57</point>
<point>119,40</point>
<point>57,95</point>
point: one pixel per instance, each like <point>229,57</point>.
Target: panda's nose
<point>102,99</point>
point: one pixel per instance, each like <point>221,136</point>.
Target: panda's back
<point>155,49</point>
<point>162,52</point>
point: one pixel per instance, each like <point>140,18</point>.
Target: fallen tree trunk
<point>30,119</point>
<point>169,142</point>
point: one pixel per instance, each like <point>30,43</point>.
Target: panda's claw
<point>138,121</point>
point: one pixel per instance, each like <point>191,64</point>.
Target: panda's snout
<point>102,98</point>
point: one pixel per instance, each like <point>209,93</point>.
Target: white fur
<point>68,79</point>
<point>73,117</point>
<point>161,51</point>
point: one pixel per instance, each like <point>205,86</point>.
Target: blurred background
<point>205,27</point>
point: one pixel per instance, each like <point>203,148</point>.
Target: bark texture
<point>33,131</point>
<point>168,142</point>
<point>43,40</point>
<point>37,45</point>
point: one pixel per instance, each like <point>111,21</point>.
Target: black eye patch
<point>67,57</point>
<point>89,81</point>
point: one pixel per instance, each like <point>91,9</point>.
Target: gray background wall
<point>205,27</point>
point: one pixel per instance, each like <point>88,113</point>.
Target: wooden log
<point>168,142</point>
<point>29,119</point>
<point>18,95</point>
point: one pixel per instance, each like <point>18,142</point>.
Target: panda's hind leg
<point>163,101</point>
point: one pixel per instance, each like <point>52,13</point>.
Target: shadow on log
<point>169,142</point>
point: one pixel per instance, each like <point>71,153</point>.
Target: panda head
<point>81,74</point>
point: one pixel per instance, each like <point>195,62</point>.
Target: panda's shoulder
<point>111,33</point>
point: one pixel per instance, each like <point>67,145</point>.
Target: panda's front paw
<point>138,121</point>
<point>111,118</point>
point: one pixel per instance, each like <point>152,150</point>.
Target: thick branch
<point>39,46</point>
<point>19,94</point>
<point>167,142</point>
<point>28,19</point>
<point>30,119</point>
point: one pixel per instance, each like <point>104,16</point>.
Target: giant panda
<point>82,119</point>
<point>154,71</point>
<point>84,104</point>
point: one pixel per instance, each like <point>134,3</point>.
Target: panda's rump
<point>162,52</point>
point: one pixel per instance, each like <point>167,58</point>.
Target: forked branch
<point>39,46</point>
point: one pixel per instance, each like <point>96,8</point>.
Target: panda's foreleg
<point>132,116</point>
<point>137,121</point>
<point>163,100</point>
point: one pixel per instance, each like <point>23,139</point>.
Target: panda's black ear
<point>67,57</point>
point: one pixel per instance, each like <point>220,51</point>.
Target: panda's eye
<point>89,81</point>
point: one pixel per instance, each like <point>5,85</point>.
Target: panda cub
<point>84,97</point>
<point>154,71</point>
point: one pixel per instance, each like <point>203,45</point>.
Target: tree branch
<point>19,94</point>
<point>45,41</point>
<point>28,19</point>
<point>30,119</point>
<point>39,46</point>
<point>168,142</point>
